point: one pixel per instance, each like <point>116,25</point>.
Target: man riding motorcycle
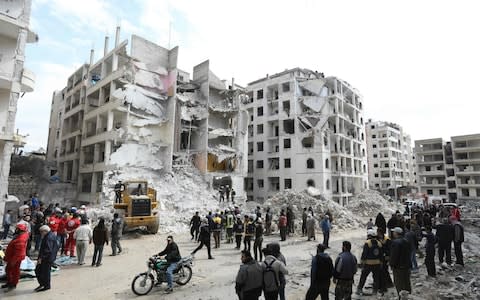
<point>172,255</point>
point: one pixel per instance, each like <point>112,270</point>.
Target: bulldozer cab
<point>137,204</point>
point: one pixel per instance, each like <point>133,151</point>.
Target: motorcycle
<point>156,274</point>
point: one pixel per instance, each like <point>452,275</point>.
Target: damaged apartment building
<point>15,79</point>
<point>306,130</point>
<point>127,110</point>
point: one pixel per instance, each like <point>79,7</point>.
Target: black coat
<point>380,222</point>
<point>48,248</point>
<point>172,253</point>
<point>400,254</point>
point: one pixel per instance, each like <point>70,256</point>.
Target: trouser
<point>252,294</point>
<point>229,235</point>
<point>283,233</point>
<point>385,280</point>
<point>61,242</point>
<point>81,251</point>
<point>366,270</point>
<point>29,244</point>
<point>458,253</point>
<point>291,227</point>
<point>170,270</point>
<point>413,259</point>
<point>194,232</point>
<point>326,237</point>
<point>257,246</point>
<point>430,264</point>
<point>42,271</point>
<point>281,291</point>
<point>6,229</point>
<point>304,228</point>
<point>70,245</point>
<point>268,228</point>
<point>222,198</point>
<point>207,244</point>
<point>343,289</point>
<point>401,277</point>
<point>37,240</point>
<point>118,197</point>
<point>216,238</point>
<point>247,243</point>
<point>445,249</point>
<point>116,245</point>
<point>97,255</point>
<point>13,272</point>
<point>319,289</point>
<point>270,295</point>
<point>238,240</point>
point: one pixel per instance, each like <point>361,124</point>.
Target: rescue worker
<point>204,238</point>
<point>72,224</point>
<point>229,221</point>
<point>385,279</point>
<point>14,254</point>
<point>172,255</point>
<point>119,188</point>
<point>400,261</point>
<point>248,284</point>
<point>371,262</point>
<point>344,271</point>
<point>217,228</point>
<point>249,233</point>
<point>238,230</point>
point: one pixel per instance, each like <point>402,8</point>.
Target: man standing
<point>227,192</point>
<point>232,194</point>
<point>326,227</point>
<point>238,230</point>
<point>430,252</point>
<point>229,226</point>
<point>100,238</point>
<point>83,237</point>
<point>119,188</point>
<point>272,268</point>
<point>7,221</point>
<point>172,255</point>
<point>371,262</point>
<point>204,238</point>
<point>282,225</point>
<point>445,235</point>
<point>248,284</point>
<point>400,261</point>
<point>195,226</point>
<point>320,274</point>
<point>257,245</point>
<point>249,233</point>
<point>344,271</point>
<point>46,257</point>
<point>117,227</point>
<point>385,279</point>
<point>268,221</point>
<point>14,255</point>
<point>72,224</point>
<point>458,238</point>
<point>290,221</point>
<point>304,221</point>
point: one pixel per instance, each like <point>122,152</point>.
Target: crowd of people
<point>43,232</point>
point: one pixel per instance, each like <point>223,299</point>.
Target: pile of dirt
<point>369,203</point>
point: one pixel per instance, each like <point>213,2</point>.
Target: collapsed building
<point>124,111</point>
<point>306,131</point>
<point>15,79</point>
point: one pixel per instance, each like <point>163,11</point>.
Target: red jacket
<point>62,226</point>
<point>53,223</point>
<point>72,224</point>
<point>17,248</point>
<point>282,221</point>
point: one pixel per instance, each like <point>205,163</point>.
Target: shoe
<point>169,290</point>
<point>38,288</point>
<point>72,256</point>
<point>43,289</point>
<point>358,292</point>
<point>112,255</point>
<point>10,288</point>
<point>98,265</point>
<point>93,264</point>
<point>211,257</point>
<point>119,251</point>
<point>4,286</point>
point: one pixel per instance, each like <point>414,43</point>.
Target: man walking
<point>272,268</point>
<point>320,274</point>
<point>46,257</point>
<point>326,227</point>
<point>344,271</point>
<point>400,261</point>
<point>195,226</point>
<point>371,262</point>
<point>117,227</point>
<point>248,284</point>
<point>204,238</point>
<point>430,252</point>
<point>83,237</point>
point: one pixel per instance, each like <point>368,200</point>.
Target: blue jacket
<point>322,269</point>
<point>345,266</point>
<point>325,225</point>
<point>48,248</point>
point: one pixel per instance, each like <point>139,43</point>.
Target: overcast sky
<point>416,63</point>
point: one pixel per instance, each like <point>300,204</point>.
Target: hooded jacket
<point>16,249</point>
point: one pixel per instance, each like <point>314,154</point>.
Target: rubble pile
<point>369,203</point>
<point>343,219</point>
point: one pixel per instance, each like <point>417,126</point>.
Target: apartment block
<point>466,162</point>
<point>390,156</point>
<point>117,111</point>
<point>15,79</point>
<point>305,130</point>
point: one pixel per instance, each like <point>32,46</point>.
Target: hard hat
<point>371,232</point>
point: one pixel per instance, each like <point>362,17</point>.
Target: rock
<point>460,278</point>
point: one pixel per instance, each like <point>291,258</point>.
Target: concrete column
<point>110,121</point>
<point>115,56</point>
<point>108,150</point>
<point>65,171</point>
<point>96,153</point>
<point>105,47</point>
<point>93,186</point>
<point>75,170</point>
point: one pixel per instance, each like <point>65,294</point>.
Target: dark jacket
<point>48,248</point>
<point>445,233</point>
<point>322,269</point>
<point>458,236</point>
<point>400,254</point>
<point>345,266</point>
<point>100,236</point>
<point>195,221</point>
<point>204,235</point>
<point>117,227</point>
<point>380,222</point>
<point>430,244</point>
<point>249,277</point>
<point>172,253</point>
<point>392,223</point>
<point>372,252</point>
<point>412,239</point>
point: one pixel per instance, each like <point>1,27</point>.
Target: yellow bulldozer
<point>138,203</point>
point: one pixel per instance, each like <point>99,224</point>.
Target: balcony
<point>28,80</point>
<point>432,173</point>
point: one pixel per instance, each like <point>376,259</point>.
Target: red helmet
<point>22,227</point>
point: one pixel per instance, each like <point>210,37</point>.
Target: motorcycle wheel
<point>142,284</point>
<point>184,275</point>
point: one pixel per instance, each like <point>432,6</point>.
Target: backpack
<point>270,280</point>
<point>250,228</point>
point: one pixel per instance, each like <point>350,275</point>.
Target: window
<point>376,175</point>
<point>259,164</point>
<point>327,164</point>
<point>259,146</point>
<point>260,94</point>
<point>259,111</point>
<point>287,163</point>
<point>286,87</point>
<point>375,165</point>
<point>430,192</point>
<point>260,129</point>
<point>260,183</point>
<point>251,118</point>
<point>310,163</point>
<point>442,192</point>
<point>289,126</point>
<point>310,182</point>
<point>327,184</point>
<point>375,155</point>
<point>364,169</point>
<point>325,141</point>
<point>307,142</point>
<point>374,145</point>
<point>372,127</point>
<point>374,136</point>
<point>288,183</point>
<point>287,143</point>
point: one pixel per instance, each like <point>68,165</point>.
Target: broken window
<point>250,148</point>
<point>286,87</point>
<point>310,163</point>
<point>287,163</point>
<point>260,183</point>
<point>259,146</point>
<point>260,94</point>
<point>289,126</point>
<point>286,107</point>
<point>287,144</point>
<point>288,183</point>
<point>259,164</point>
<point>327,184</point>
<point>260,129</point>
<point>259,111</point>
<point>307,142</point>
<point>374,146</point>
<point>327,163</point>
<point>375,155</point>
<point>250,166</point>
<point>310,183</point>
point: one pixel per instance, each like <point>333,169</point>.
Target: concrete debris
<point>215,82</point>
<point>156,69</point>
<point>223,152</point>
<point>194,113</point>
<point>315,103</point>
<point>147,156</point>
<point>220,132</point>
<point>314,86</point>
<point>369,203</point>
<point>141,99</point>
